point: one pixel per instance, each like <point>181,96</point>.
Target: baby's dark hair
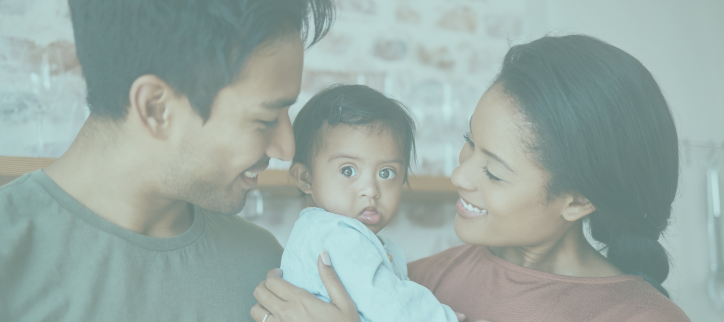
<point>354,105</point>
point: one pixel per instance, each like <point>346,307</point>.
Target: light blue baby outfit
<point>379,286</point>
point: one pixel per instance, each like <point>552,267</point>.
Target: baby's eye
<point>348,171</point>
<point>387,174</point>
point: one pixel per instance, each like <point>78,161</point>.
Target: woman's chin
<point>469,230</point>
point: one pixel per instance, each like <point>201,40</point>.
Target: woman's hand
<point>280,301</point>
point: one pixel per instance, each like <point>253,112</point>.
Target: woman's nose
<point>463,177</point>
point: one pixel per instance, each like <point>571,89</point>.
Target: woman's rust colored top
<point>481,285</point>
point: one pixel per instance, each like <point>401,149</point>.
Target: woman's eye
<point>490,175</point>
<point>387,174</point>
<point>348,171</point>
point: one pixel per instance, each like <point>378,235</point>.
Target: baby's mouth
<point>370,216</point>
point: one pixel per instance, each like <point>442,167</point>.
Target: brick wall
<point>436,56</point>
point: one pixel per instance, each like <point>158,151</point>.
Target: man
<point>135,222</point>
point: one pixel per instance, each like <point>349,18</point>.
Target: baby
<point>353,151</point>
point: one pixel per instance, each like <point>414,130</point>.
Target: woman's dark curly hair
<point>602,129</point>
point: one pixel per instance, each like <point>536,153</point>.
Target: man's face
<point>215,163</point>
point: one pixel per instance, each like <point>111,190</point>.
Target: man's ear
<point>150,97</point>
<point>577,207</point>
<point>302,177</point>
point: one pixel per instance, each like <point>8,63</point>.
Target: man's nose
<point>282,142</point>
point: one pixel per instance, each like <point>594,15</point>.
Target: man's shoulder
<point>238,230</point>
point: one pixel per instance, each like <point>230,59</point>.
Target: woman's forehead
<point>499,127</point>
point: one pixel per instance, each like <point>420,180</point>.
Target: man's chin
<point>227,207</point>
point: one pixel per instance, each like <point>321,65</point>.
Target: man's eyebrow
<point>279,104</point>
<point>497,158</point>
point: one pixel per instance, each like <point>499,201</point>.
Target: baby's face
<point>359,174</point>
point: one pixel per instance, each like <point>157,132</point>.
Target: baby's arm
<point>361,265</point>
<point>379,294</point>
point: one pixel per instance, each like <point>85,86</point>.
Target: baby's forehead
<point>367,141</point>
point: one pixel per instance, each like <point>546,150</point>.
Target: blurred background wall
<point>438,57</point>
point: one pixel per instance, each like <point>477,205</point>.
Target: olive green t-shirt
<point>61,262</point>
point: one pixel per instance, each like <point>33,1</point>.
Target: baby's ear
<point>302,177</point>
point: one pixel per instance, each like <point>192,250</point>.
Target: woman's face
<point>503,199</point>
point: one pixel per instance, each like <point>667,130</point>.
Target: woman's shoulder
<point>635,301</point>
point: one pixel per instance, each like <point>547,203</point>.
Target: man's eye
<point>387,174</point>
<point>270,124</point>
<point>348,171</point>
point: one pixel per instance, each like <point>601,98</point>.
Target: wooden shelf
<point>274,182</point>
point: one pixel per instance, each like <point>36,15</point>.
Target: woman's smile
<point>470,211</point>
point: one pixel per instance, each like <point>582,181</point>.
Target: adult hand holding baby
<point>280,301</point>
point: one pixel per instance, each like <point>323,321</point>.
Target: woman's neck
<point>569,255</point>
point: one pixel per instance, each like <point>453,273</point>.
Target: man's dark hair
<point>354,105</point>
<point>197,46</point>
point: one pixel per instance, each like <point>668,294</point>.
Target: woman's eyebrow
<point>497,158</point>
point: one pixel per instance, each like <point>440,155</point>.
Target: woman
<point>572,130</point>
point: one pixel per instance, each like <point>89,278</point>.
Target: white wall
<point>682,44</point>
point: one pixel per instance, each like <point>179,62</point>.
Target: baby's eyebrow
<point>346,156</point>
<point>342,156</point>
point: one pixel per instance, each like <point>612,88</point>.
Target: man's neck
<point>112,180</point>
<point>570,255</point>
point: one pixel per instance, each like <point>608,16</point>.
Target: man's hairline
<point>241,75</point>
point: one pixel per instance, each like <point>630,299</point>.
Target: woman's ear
<point>577,207</point>
<point>302,177</point>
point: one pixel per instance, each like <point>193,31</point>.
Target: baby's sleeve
<point>379,294</point>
